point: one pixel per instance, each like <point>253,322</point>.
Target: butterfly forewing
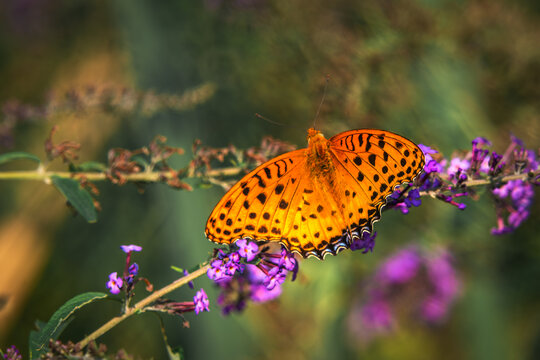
<point>257,206</point>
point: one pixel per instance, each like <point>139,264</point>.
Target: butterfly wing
<point>278,201</point>
<point>258,206</point>
<point>372,164</point>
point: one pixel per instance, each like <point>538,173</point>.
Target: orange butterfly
<point>317,200</point>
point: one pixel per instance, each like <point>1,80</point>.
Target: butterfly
<point>316,201</point>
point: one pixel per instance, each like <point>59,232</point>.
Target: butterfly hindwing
<point>374,163</point>
<point>317,222</point>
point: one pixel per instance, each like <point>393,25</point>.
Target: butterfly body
<point>315,201</point>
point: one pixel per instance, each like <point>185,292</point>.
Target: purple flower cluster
<point>12,353</point>
<point>428,278</point>
<point>127,281</point>
<point>447,180</point>
<point>201,302</point>
<point>247,273</point>
<point>404,200</point>
<point>515,199</point>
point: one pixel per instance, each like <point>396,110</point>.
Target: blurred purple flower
<point>427,276</point>
<point>129,248</point>
<point>133,269</point>
<point>442,275</point>
<point>259,292</point>
<point>516,198</point>
<point>190,283</point>
<point>400,267</point>
<point>12,353</point>
<point>532,162</point>
<point>377,315</point>
<point>457,164</point>
<point>433,309</point>
<point>115,283</point>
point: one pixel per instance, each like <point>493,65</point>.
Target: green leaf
<point>39,340</point>
<point>18,155</point>
<point>174,354</point>
<point>78,197</point>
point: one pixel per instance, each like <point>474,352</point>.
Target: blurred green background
<point>438,72</point>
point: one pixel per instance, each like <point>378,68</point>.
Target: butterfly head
<point>317,143</point>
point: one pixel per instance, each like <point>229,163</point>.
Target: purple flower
<point>517,217</point>
<point>377,315</point>
<point>430,184</point>
<point>190,283</point>
<point>275,276</point>
<point>201,302</point>
<point>12,353</point>
<point>247,249</point>
<point>434,309</point>
<point>217,271</point>
<point>401,206</point>
<point>232,267</point>
<point>480,141</point>
<point>433,167</point>
<point>401,267</point>
<point>427,279</point>
<point>366,242</point>
<point>413,198</point>
<point>234,257</point>
<point>501,228</point>
<point>495,165</point>
<point>259,292</point>
<point>442,275</point>
<point>115,283</point>
<point>129,248</point>
<point>241,282</point>
<point>517,141</point>
<point>532,163</point>
<point>457,164</point>
<point>133,269</point>
<point>516,198</point>
<point>431,164</point>
<point>427,152</point>
<point>287,260</point>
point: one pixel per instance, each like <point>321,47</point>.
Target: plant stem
<point>153,176</point>
<point>140,306</point>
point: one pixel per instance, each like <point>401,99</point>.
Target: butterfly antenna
<point>267,119</point>
<point>322,100</point>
